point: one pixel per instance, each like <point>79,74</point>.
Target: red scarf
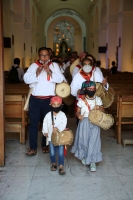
<point>78,66</point>
<point>86,103</point>
<point>86,76</point>
<point>40,65</point>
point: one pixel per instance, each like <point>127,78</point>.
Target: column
<point>125,41</point>
<point>95,44</point>
<point>102,43</point>
<point>19,38</point>
<point>111,42</point>
<point>27,44</point>
<point>2,140</point>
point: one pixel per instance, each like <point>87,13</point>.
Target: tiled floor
<point>30,178</point>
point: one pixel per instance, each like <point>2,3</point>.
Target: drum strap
<point>86,103</point>
<point>52,118</point>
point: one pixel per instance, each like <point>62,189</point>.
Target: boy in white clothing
<point>60,122</point>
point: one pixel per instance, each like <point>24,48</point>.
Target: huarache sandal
<point>53,167</point>
<point>45,149</point>
<point>31,152</point>
<point>61,171</point>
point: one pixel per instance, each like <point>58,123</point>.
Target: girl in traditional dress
<point>87,144</point>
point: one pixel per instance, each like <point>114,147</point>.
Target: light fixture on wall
<point>56,49</point>
<point>57,31</point>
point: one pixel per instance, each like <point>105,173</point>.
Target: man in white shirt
<point>42,76</point>
<point>74,54</point>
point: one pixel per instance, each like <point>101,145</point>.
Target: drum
<point>100,90</point>
<point>63,89</point>
<point>101,119</point>
<point>111,91</point>
<point>107,96</point>
<point>68,100</point>
<point>107,99</point>
<point>62,138</point>
<point>73,65</point>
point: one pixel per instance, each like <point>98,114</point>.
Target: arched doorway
<point>75,19</point>
<point>63,38</point>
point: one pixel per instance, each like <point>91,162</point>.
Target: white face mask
<point>87,68</point>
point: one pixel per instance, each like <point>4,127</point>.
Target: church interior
<point>102,28</point>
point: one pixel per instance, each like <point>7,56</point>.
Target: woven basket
<point>62,138</point>
<point>101,119</point>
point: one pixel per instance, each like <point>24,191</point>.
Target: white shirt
<point>64,66</point>
<point>78,80</point>
<point>41,86</point>
<point>75,70</point>
<point>84,109</point>
<point>62,70</point>
<point>68,64</point>
<point>60,122</point>
<point>99,70</point>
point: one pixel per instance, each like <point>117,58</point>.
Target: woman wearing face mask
<point>60,122</point>
<point>87,144</point>
<point>87,73</point>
